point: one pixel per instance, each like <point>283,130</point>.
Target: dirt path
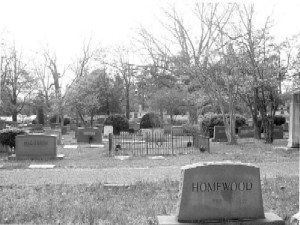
<point>120,175</point>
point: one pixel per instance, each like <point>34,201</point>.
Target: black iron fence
<point>157,144</point>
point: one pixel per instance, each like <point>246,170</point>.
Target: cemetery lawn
<point>135,204</point>
<point>247,150</point>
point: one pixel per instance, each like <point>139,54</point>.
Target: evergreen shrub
<point>8,136</point>
<point>119,123</point>
<point>150,120</point>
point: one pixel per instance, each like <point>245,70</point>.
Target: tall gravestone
<point>220,193</point>
<point>294,125</point>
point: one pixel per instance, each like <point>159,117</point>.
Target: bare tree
<point>18,83</point>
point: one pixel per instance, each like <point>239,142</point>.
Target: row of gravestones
<point>243,132</point>
<point>44,145</point>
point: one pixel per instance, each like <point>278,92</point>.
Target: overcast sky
<point>64,24</point>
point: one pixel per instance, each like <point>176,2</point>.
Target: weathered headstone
<point>56,133</point>
<point>108,130</point>
<point>73,127</point>
<point>219,134</point>
<point>89,135</point>
<point>246,132</point>
<point>134,126</point>
<point>224,192</point>
<point>285,127</point>
<point>64,130</point>
<point>294,123</point>
<point>55,125</point>
<point>35,147</point>
<point>177,131</point>
<point>278,132</point>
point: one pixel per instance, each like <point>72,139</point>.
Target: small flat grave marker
<point>71,146</point>
<point>219,192</point>
<point>96,146</point>
<point>37,166</point>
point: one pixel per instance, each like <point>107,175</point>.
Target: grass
<point>83,157</point>
<point>137,204</point>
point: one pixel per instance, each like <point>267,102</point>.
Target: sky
<point>64,25</point>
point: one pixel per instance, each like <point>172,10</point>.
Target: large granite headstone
<point>89,135</point>
<point>219,134</point>
<point>246,132</point>
<point>219,192</point>
<point>294,123</point>
<point>35,147</point>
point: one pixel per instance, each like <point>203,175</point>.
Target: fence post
<point>110,135</point>
<point>172,142</point>
<point>147,138</point>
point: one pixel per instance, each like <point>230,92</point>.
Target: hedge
<point>8,136</point>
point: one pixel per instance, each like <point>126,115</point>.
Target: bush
<point>119,123</point>
<point>210,121</point>
<point>191,129</point>
<point>8,136</point>
<point>150,120</point>
<point>278,121</point>
<point>66,120</point>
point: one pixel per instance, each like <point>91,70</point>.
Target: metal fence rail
<point>157,144</point>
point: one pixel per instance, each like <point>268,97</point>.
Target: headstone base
<point>270,219</point>
<point>14,157</point>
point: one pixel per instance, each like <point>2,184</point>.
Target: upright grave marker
<point>108,130</point>
<point>35,147</point>
<point>89,135</point>
<point>218,192</point>
<point>219,134</point>
<point>177,131</point>
<point>56,133</point>
<point>278,132</point>
<point>246,132</point>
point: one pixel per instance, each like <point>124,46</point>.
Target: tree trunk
<point>269,130</point>
<point>127,104</point>
<point>161,112</point>
<point>257,134</point>
<point>14,115</point>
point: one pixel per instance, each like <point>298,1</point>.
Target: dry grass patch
<point>137,204</point>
